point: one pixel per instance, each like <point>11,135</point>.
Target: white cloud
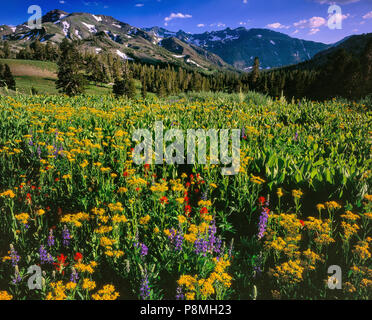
<point>139,5</point>
<point>201,25</point>
<point>277,25</point>
<point>176,16</point>
<point>312,23</point>
<point>62,2</point>
<point>368,15</point>
<point>219,24</point>
<point>336,2</point>
<point>295,32</point>
<point>314,31</point>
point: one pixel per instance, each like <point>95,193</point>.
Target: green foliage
<point>70,79</point>
<point>125,87</point>
<point>6,77</point>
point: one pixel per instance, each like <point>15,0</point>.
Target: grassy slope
<point>41,75</point>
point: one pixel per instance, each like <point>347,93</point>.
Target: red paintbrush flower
<point>164,200</point>
<point>61,262</point>
<point>187,209</point>
<point>78,256</point>
<point>204,210</point>
<point>261,200</point>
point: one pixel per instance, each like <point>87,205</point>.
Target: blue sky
<point>305,19</point>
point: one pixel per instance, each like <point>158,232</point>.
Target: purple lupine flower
<point>66,236</point>
<point>257,270</point>
<point>179,294</point>
<point>50,238</point>
<point>14,256</point>
<point>178,241</point>
<point>17,278</point>
<point>296,137</point>
<point>212,236</point>
<point>74,276</point>
<point>144,250</point>
<point>145,289</point>
<point>45,257</point>
<point>204,195</point>
<point>231,247</point>
<point>201,246</point>
<point>31,143</point>
<point>263,222</point>
<point>172,234</point>
<point>39,151</point>
<point>243,133</point>
<point>217,247</point>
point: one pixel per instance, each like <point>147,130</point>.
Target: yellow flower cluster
<point>75,219</point>
<point>106,242</point>
<point>362,250</point>
<point>290,271</point>
<point>207,287</point>
<point>103,229</point>
<point>86,267</point>
<point>59,290</point>
<point>107,293</point>
<point>22,217</point>
<point>8,193</point>
<point>4,295</point>
<point>144,220</point>
<point>297,194</point>
<point>349,229</point>
<point>88,284</point>
<point>257,180</point>
<point>114,253</point>
<point>159,187</point>
<point>116,207</point>
<point>119,218</point>
<point>350,216</point>
<point>332,205</point>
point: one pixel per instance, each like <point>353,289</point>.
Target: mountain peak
<point>54,15</point>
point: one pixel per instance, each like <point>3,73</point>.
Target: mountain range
<point>229,49</point>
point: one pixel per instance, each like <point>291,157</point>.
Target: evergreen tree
<point>6,77</point>
<point>124,86</point>
<point>70,79</point>
<point>6,50</point>
<point>256,70</point>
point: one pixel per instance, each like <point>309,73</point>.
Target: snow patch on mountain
<point>92,28</point>
<point>66,26</point>
<point>122,55</point>
<point>99,19</point>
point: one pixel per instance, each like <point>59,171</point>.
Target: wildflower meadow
<point>79,220</point>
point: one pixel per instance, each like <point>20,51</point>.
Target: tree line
<point>344,74</point>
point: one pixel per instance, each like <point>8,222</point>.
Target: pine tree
<point>124,86</point>
<point>70,79</point>
<point>144,88</point>
<point>6,50</point>
<point>256,70</point>
<point>6,77</point>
